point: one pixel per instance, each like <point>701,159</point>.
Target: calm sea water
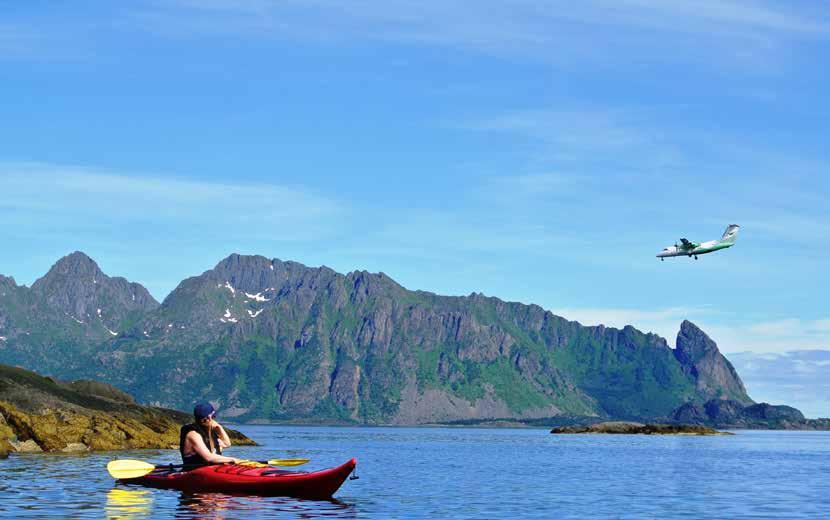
<point>466,473</point>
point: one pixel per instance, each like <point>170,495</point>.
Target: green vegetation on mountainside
<point>279,341</point>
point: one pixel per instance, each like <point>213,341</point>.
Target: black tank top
<point>196,459</point>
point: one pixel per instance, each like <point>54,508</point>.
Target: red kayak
<point>247,480</point>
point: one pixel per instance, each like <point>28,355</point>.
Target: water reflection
<point>128,503</point>
<point>219,505</point>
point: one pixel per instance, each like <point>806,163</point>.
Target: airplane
<point>690,249</point>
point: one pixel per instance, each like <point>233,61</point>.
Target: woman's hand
<point>224,439</point>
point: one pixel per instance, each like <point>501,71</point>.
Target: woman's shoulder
<point>190,430</point>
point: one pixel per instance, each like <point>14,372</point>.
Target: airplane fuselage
<point>700,249</point>
<point>688,248</point>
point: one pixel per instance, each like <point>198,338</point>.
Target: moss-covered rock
<point>38,413</point>
<point>629,428</point>
<point>104,390</point>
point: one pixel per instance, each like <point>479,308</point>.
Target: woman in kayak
<point>202,441</point>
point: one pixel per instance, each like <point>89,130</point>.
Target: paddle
<point>128,468</point>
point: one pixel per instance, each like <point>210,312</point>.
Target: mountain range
<point>278,341</point>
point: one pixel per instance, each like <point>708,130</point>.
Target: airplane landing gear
<point>662,259</point>
<point>695,257</point>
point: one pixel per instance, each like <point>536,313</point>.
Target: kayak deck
<point>244,479</point>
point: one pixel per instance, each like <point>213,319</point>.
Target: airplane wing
<point>687,244</point>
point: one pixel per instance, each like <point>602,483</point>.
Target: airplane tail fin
<point>731,233</point>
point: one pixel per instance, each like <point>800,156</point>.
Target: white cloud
<point>746,14</point>
<point>795,378</point>
<point>768,337</point>
<point>583,129</point>
<point>773,336</point>
<point>783,327</point>
<point>153,229</point>
<point>554,31</point>
<point>103,198</point>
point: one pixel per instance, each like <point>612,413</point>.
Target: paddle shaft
<point>193,466</point>
<point>272,462</point>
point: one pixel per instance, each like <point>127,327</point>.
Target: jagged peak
<point>74,265</point>
<point>74,280</point>
<point>239,261</point>
<point>689,327</point>
<point>692,340</point>
<point>701,359</point>
<point>75,262</point>
<point>234,259</point>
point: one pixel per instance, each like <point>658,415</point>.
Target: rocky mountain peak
<point>74,264</point>
<point>692,342</point>
<point>700,358</point>
<point>76,287</point>
<point>7,281</point>
<point>307,342</point>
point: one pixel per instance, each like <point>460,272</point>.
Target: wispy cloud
<point>57,191</point>
<point>796,378</point>
<point>557,31</point>
<point>744,14</point>
<point>602,153</point>
<point>153,229</point>
<point>752,34</point>
<point>587,129</point>
<point>773,336</point>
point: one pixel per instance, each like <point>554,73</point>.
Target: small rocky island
<point>43,414</point>
<point>633,428</point>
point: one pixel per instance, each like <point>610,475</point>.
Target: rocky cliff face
<point>278,340</point>
<point>712,373</point>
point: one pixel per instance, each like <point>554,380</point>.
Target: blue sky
<point>536,152</point>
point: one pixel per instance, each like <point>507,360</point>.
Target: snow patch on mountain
<point>74,318</point>
<point>228,317</point>
<point>257,297</point>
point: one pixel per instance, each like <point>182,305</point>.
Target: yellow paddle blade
<point>288,462</point>
<point>126,468</point>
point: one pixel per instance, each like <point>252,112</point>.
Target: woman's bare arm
<point>199,447</point>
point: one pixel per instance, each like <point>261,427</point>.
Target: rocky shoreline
<point>725,413</point>
<point>634,428</point>
<point>41,414</point>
